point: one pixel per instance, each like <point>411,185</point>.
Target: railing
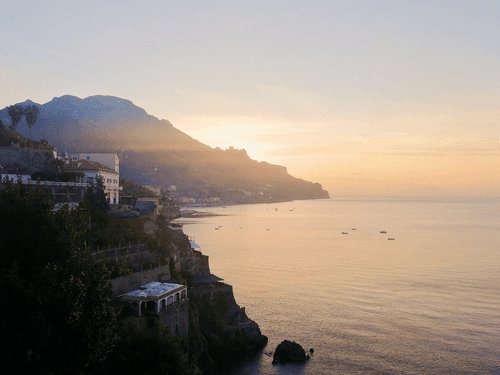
<point>117,252</point>
<point>51,183</point>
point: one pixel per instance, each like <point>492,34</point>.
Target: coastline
<point>194,213</point>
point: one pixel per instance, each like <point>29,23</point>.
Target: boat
<point>383,231</point>
<point>345,233</point>
<point>391,239</point>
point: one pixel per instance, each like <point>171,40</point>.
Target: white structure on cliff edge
<point>155,297</point>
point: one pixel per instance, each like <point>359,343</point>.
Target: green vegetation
<point>57,314</point>
<point>132,189</point>
<point>117,267</point>
<point>31,114</point>
<point>16,113</point>
<point>143,350</point>
<point>55,300</point>
<point>10,137</point>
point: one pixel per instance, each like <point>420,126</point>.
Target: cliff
<point>221,326</point>
<point>219,329</point>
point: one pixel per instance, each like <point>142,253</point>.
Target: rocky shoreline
<point>226,332</point>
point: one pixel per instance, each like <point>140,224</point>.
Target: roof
<point>153,289</point>
<point>145,207</point>
<point>86,165</point>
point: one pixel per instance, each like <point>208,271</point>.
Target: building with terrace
<point>86,171</point>
<point>108,159</point>
<point>165,302</point>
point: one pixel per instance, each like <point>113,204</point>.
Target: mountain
<point>154,152</point>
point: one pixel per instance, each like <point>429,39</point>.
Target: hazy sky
<point>365,97</point>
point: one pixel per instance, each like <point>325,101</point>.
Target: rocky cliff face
<point>225,330</point>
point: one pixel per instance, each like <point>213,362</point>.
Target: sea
<point>423,298</point>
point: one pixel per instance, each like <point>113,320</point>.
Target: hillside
<point>154,152</point>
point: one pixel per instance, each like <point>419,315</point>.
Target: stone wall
<point>138,255</point>
<point>176,318</point>
<point>15,160</point>
<point>126,284</point>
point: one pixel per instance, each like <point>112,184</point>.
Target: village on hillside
<point>156,272</point>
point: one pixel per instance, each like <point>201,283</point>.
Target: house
<point>108,159</point>
<point>163,301</point>
<point>88,171</point>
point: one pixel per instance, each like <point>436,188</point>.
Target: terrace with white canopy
<point>154,297</point>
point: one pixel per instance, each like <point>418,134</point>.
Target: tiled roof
<point>86,165</point>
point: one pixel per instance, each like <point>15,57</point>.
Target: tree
<point>15,113</point>
<point>143,350</point>
<point>55,311</point>
<point>98,202</point>
<point>2,126</point>
<point>31,114</point>
<point>96,206</point>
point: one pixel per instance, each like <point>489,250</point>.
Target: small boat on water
<point>383,231</point>
<point>391,239</point>
<point>353,229</point>
<point>345,233</point>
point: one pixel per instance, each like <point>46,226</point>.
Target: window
<point>90,179</point>
<point>88,157</point>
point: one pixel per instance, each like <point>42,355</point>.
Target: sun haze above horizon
<point>392,98</point>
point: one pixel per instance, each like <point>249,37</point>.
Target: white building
<point>108,159</point>
<point>155,297</point>
<point>88,171</point>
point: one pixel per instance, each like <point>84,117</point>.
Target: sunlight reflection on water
<point>426,302</point>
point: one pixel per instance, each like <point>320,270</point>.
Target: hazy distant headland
<point>154,152</point>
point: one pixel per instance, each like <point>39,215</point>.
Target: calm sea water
<point>427,302</point>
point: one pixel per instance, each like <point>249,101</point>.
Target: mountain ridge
<point>154,152</point>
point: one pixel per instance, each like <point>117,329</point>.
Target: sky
<point>365,97</point>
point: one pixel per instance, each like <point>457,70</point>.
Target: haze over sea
<point>425,302</point>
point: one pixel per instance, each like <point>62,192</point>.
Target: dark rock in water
<point>311,350</point>
<point>289,351</point>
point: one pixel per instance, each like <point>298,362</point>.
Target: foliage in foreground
<point>143,350</point>
<point>55,312</point>
<point>56,308</point>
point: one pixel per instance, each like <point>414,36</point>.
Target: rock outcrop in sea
<point>289,351</point>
